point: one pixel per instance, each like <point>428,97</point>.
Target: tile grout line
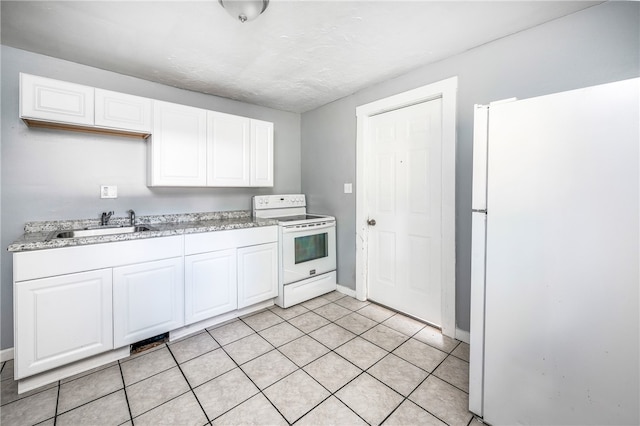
<point>124,388</point>
<point>152,375</point>
<point>247,376</point>
<point>255,331</point>
<point>425,379</point>
<point>55,413</point>
<point>81,405</point>
<point>188,384</point>
<point>391,352</point>
<point>340,388</point>
<point>404,398</point>
<point>447,354</point>
<point>314,379</point>
<point>298,367</point>
<point>362,371</point>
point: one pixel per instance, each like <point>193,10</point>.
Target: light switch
<point>108,191</point>
<point>348,188</point>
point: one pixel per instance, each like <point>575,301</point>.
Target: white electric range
<point>306,245</point>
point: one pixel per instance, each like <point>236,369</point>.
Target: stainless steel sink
<point>94,232</point>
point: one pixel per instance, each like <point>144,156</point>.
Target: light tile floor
<point>330,361</point>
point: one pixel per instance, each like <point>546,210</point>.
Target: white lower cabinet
<point>222,281</point>
<point>228,270</point>
<point>210,285</point>
<point>74,307</point>
<point>148,299</point>
<point>62,319</point>
<point>257,273</point>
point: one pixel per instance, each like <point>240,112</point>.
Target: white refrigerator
<point>555,318</point>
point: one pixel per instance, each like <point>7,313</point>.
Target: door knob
<point>371,222</point>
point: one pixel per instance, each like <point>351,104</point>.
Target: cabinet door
<point>148,299</point>
<point>210,285</point>
<point>120,111</point>
<point>261,153</point>
<point>229,149</point>
<point>61,320</point>
<point>178,146</point>
<point>257,274</point>
<point>44,99</point>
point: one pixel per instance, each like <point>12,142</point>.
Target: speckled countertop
<point>36,236</point>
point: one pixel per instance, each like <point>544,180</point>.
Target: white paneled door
<point>148,299</point>
<point>404,200</point>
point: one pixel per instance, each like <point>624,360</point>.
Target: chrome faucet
<point>132,217</point>
<point>104,220</point>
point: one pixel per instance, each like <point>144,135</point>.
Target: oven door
<point>308,251</point>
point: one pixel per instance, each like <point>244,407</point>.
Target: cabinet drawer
<point>221,240</point>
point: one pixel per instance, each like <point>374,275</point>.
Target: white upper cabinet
<point>47,100</point>
<point>114,110</point>
<point>237,152</point>
<point>54,103</point>
<point>189,147</point>
<point>178,147</point>
<point>229,149</point>
<point>261,153</point>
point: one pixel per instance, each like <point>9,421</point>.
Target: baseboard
<point>6,354</point>
<point>462,335</point>
<point>49,376</point>
<point>346,290</point>
<point>201,325</point>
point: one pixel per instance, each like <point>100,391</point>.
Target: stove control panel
<point>261,202</point>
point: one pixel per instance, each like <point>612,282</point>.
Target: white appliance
<point>555,259</point>
<point>307,247</point>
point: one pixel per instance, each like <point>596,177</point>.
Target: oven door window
<point>311,247</point>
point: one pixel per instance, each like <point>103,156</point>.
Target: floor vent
<point>149,343</point>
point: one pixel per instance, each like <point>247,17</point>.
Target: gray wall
<point>49,174</point>
<point>598,45</point>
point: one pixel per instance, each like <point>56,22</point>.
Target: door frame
<point>447,91</point>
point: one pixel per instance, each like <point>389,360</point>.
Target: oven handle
<point>290,229</point>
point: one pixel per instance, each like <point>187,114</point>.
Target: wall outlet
<point>348,188</point>
<point>108,191</point>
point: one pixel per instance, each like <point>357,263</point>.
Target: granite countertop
<point>36,236</point>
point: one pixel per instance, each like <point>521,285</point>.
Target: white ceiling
<point>295,57</point>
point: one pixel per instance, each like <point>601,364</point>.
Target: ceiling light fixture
<point>244,10</point>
